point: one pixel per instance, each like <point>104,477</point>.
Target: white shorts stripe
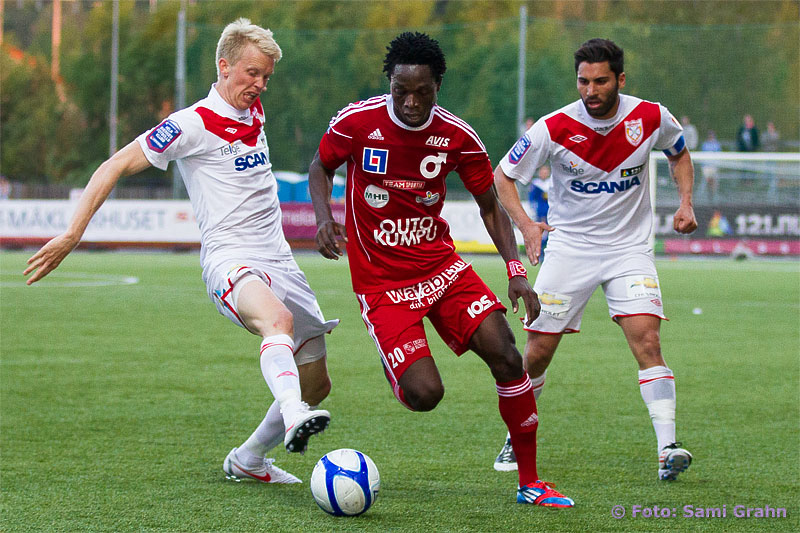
<point>371,331</point>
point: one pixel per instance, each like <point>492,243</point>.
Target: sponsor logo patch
<point>578,138</point>
<point>163,135</point>
<point>610,187</point>
<point>413,346</point>
<point>479,306</point>
<point>519,149</point>
<point>643,287</point>
<point>250,161</point>
<point>572,168</point>
<point>405,231</point>
<point>404,185</point>
<point>375,135</point>
<point>438,142</point>
<point>428,199</point>
<point>555,305</point>
<point>428,292</point>
<point>375,160</point>
<point>375,196</point>
<point>603,129</point>
<point>436,161</point>
<point>628,172</point>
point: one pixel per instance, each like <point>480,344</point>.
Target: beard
<point>605,108</point>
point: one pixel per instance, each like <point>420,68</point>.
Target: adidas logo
<point>531,421</point>
<point>375,135</point>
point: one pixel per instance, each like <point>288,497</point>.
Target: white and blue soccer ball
<point>345,482</point>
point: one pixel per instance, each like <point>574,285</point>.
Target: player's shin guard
<point>657,385</point>
<point>518,410</point>
<point>280,370</point>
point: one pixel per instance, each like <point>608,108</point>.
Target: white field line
<point>72,279</point>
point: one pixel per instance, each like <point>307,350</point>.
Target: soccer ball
<point>345,482</point>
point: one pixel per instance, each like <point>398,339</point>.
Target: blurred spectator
<point>711,144</point>
<point>709,170</point>
<point>690,134</point>
<point>537,196</point>
<point>747,137</point>
<point>5,188</point>
<point>526,126</point>
<point>771,139</point>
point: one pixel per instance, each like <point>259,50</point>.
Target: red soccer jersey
<point>395,189</point>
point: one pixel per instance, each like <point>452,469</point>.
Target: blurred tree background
<point>712,60</point>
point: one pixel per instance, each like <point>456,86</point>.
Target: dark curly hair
<point>598,51</point>
<point>415,49</point>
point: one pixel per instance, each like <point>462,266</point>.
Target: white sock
<point>267,435</point>
<point>657,385</point>
<point>538,385</point>
<point>280,372</point>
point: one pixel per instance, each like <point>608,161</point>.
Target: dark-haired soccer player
<point>599,148</point>
<point>399,148</point>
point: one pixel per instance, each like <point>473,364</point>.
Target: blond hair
<point>241,32</point>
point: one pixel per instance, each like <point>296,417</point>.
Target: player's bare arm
<point>531,231</point>
<point>682,171</point>
<point>129,160</point>
<point>320,185</point>
<point>499,227</point>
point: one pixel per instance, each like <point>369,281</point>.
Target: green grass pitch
<point>120,401</point>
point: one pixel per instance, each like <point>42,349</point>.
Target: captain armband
<point>677,148</point>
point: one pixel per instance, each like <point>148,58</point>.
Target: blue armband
<point>678,148</point>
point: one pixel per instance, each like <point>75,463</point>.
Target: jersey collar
<point>224,109</point>
<point>390,110</point>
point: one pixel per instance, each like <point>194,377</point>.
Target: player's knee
<point>507,366</point>
<point>502,356</point>
<point>424,397</point>
<point>280,321</point>
<point>650,344</point>
<point>284,321</point>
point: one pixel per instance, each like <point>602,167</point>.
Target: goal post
<point>741,200</point>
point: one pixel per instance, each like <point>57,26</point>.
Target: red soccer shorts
<point>456,301</point>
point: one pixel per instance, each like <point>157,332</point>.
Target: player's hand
<point>532,234</point>
<point>518,287</point>
<point>684,220</point>
<point>49,257</point>
<point>328,234</point>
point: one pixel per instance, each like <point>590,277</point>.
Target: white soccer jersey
<point>223,156</point>
<point>600,177</point>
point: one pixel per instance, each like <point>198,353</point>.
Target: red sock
<point>518,409</point>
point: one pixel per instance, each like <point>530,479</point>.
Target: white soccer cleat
<point>672,461</point>
<point>306,423</point>
<point>506,460</point>
<point>266,473</point>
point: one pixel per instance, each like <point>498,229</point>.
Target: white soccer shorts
<point>289,284</point>
<point>567,279</point>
